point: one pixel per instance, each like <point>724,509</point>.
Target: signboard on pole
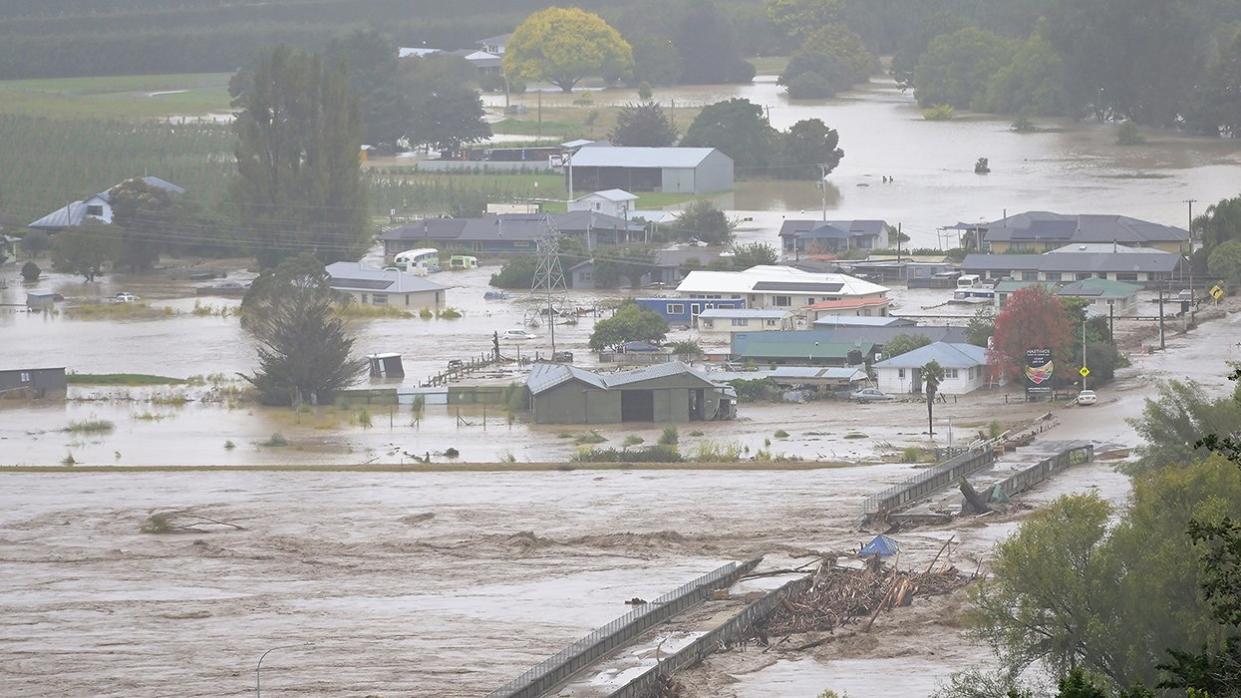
<point>1039,371</point>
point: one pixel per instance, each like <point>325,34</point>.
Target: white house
<point>965,369</point>
<point>790,289</point>
<point>725,321</point>
<point>495,44</point>
<point>613,202</point>
<point>372,286</point>
<point>97,208</point>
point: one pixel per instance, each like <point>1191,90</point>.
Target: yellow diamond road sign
<point>1217,292</point>
<point>1085,372</point>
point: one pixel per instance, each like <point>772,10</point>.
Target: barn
<point>670,170</point>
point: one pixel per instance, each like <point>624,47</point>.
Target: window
<point>1082,276</point>
<point>740,322</point>
<point>25,376</point>
<point>773,323</point>
<point>810,300</point>
<point>676,309</point>
<point>707,325</point>
<point>1029,276</point>
<point>407,300</point>
<point>1053,276</point>
<point>364,298</point>
<point>1127,276</point>
<point>950,373</point>
<point>900,373</point>
<point>94,210</point>
<point>379,299</point>
<point>782,301</point>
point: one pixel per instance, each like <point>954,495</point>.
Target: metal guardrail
<point>929,481</point>
<point>1024,480</point>
<point>560,666</point>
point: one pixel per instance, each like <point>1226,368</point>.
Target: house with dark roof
<point>664,393</point>
<point>385,287</point>
<point>97,208</point>
<point>846,345</point>
<point>509,233</point>
<point>1103,296</point>
<point>1035,232</point>
<point>666,269</point>
<point>680,170</point>
<point>1144,267</point>
<point>808,238</point>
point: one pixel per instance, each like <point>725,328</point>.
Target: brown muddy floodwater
<point>1071,167</point>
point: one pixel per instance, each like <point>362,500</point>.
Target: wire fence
<point>551,671</point>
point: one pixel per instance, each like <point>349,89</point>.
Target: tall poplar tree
<point>299,135</point>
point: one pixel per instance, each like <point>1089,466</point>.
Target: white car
<point>125,297</point>
<point>517,334</point>
<point>1087,397</point>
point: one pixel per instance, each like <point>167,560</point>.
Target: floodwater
<point>1069,167</point>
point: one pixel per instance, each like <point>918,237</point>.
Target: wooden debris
<point>840,596</point>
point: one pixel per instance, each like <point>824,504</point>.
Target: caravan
<point>422,261</point>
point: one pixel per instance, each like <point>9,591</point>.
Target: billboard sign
<point>1039,370</point>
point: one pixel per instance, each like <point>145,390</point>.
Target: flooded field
<point>1068,167</point>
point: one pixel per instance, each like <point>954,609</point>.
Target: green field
<point>769,65</point>
<point>117,97</point>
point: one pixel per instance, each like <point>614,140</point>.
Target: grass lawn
<point>768,65</point>
<point>121,379</point>
<point>121,96</point>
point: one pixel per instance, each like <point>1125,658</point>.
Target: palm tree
<point>932,376</point>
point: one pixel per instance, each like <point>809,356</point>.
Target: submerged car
<point>125,297</point>
<point>518,334</point>
<point>1087,397</point>
<point>868,395</point>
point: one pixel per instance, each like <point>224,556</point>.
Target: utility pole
<point>823,188</point>
<point>1190,258</point>
<point>1162,344</point>
<point>898,243</point>
<point>548,276</point>
<point>569,163</point>
<point>1084,353</point>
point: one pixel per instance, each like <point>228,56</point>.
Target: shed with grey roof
<point>672,170</point>
<point>1074,266</point>
<point>510,232</point>
<point>802,237</point>
<point>663,393</point>
<point>965,369</point>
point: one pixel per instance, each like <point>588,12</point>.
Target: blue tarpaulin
<point>881,546</point>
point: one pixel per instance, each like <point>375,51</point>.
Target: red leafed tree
<point>1033,318</point>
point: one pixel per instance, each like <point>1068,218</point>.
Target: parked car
<point>1087,397</point>
<point>125,297</point>
<point>517,334</point>
<point>562,357</point>
<point>868,395</point>
<point>455,363</point>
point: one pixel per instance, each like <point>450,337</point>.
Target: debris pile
<point>839,595</point>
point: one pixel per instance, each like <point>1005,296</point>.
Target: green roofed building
<point>1104,295</point>
<point>798,347</point>
<point>664,393</point>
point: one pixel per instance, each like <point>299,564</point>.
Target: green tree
<point>85,250</point>
<point>957,67</point>
<point>144,214</point>
<point>842,44</point>
<point>705,40</point>
<point>35,243</point>
<point>1220,223</point>
<point>905,343</point>
<point>932,377</point>
<point>701,220</point>
<point>1224,261</point>
<point>1175,420</point>
<point>629,323</point>
<point>303,346</point>
<point>980,328</point>
<point>1033,83</point>
<point>752,255</point>
<point>1217,109</point>
<point>655,59</point>
<point>930,23</point>
<point>517,272</point>
<point>811,149</point>
<point>31,272</point>
<point>739,129</point>
<point>299,135</point>
<point>810,75</point>
<point>643,124</point>
<point>371,61</point>
<point>564,45</point>
<point>447,117</point>
<point>797,18</point>
<point>629,263</point>
<point>1078,685</point>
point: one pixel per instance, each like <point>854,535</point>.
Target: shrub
<point>711,452</point>
<point>650,454</point>
<point>229,445</point>
<point>276,440</point>
<point>426,314</point>
<point>450,314</point>
<point>590,437</point>
<point>670,437</point>
<point>633,440</point>
<point>1128,134</point>
<point>90,426</point>
<point>755,390</point>
<point>939,112</point>
<point>157,523</point>
<point>913,454</point>
<point>364,418</point>
<point>451,452</point>
<point>31,272</point>
<point>644,91</point>
<point>781,434</point>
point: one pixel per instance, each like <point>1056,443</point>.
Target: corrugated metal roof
<point>868,335</point>
<point>868,226</point>
<point>1048,226</point>
<point>664,370</point>
<point>747,281</point>
<point>729,313</point>
<point>544,377</point>
<point>1100,288</point>
<point>612,195</point>
<point>945,354</point>
<point>354,276</point>
<point>618,156</point>
<point>862,321</point>
<point>792,344</point>
<point>1072,262</point>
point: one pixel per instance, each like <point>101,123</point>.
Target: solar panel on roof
<point>797,286</point>
<point>373,284</point>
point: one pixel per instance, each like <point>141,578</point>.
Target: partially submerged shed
<point>667,392</point>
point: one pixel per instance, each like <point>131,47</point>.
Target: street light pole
<point>1191,202</point>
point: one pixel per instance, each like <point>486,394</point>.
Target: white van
<point>422,261</point>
